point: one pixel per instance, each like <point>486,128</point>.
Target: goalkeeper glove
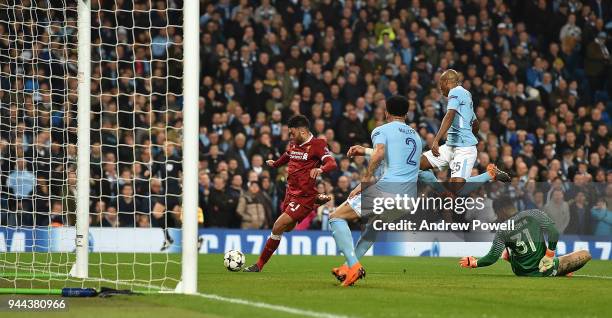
<point>468,262</point>
<point>547,261</point>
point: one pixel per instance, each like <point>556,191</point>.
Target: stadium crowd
<point>540,73</point>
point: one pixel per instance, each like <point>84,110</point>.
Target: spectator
<point>57,215</point>
<point>596,61</point>
<point>21,181</point>
<point>558,210</point>
<point>342,191</point>
<point>254,208</point>
<point>238,152</point>
<point>570,29</point>
<point>126,206</point>
<point>580,216</point>
<point>219,212</point>
<point>602,214</point>
<point>351,129</point>
<point>539,75</point>
<point>602,217</point>
<point>98,213</point>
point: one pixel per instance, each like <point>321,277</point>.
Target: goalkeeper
<point>528,253</point>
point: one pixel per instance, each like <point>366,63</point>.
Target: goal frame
<point>189,251</point>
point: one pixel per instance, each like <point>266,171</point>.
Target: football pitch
<point>302,286</point>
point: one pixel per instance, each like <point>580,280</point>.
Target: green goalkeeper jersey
<point>526,243</point>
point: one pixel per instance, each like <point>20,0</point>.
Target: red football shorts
<point>298,207</point>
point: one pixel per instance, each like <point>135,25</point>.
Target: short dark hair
<point>502,202</point>
<point>397,105</point>
<point>298,121</point>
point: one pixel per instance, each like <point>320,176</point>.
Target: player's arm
<point>446,123</point>
<point>547,225</point>
<point>553,235</point>
<point>284,158</point>
<point>377,156</point>
<point>379,140</point>
<point>328,164</point>
<point>475,127</point>
<point>358,150</point>
<point>494,253</point>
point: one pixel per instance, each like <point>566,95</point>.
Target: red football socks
<point>271,246</point>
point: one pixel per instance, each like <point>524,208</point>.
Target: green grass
<point>394,287</point>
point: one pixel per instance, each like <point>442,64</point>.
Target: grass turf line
<point>395,287</point>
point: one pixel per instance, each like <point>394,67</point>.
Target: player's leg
<point>365,242</point>
<point>344,240</point>
<point>338,222</point>
<point>475,182</point>
<point>471,183</point>
<point>441,162</point>
<point>425,164</point>
<point>572,262</point>
<point>283,224</point>
<point>428,178</point>
<point>429,161</point>
<point>461,163</point>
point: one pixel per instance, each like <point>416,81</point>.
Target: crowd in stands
<point>540,74</point>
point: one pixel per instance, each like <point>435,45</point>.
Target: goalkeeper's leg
<point>572,262</point>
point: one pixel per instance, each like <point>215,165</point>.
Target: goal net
<point>115,197</point>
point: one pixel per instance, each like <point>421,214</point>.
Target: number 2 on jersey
<point>410,160</point>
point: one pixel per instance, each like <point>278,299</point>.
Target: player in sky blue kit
<point>459,152</point>
<point>397,147</point>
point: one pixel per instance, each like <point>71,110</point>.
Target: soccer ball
<point>233,260</point>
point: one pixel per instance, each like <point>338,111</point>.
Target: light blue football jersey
<point>460,132</point>
<point>403,148</point>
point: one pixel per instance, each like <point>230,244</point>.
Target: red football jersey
<point>302,159</point>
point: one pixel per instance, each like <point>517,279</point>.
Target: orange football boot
<point>354,273</point>
<point>497,174</point>
<point>340,272</point>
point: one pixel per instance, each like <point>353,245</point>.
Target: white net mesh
<point>136,119</point>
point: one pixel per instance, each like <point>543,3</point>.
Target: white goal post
<point>72,105</point>
<point>81,267</point>
<point>191,27</point>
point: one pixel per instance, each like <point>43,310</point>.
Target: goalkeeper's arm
<point>494,253</point>
<point>547,225</point>
<point>553,234</point>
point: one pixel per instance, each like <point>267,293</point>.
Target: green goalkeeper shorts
<point>549,273</point>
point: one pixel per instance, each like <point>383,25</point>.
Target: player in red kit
<point>307,158</point>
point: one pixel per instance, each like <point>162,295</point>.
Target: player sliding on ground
<point>399,147</point>
<point>307,157</point>
<point>529,255</point>
<point>459,152</point>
